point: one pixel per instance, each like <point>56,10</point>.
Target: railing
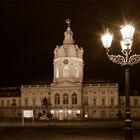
<point>101,85</point>
<point>35,86</point>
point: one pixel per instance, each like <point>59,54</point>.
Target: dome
<point>68,49</point>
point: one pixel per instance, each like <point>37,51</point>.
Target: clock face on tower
<point>65,61</point>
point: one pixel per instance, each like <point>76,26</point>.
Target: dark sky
<point>30,31</point>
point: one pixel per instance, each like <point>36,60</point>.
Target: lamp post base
<point>128,129</point>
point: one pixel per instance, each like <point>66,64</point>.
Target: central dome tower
<point>68,60</point>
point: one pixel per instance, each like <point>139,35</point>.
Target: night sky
<point>30,31</point>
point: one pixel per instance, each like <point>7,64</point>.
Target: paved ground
<point>43,133</point>
<point>66,130</point>
<point>76,124</point>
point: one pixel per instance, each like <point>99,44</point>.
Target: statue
<point>68,22</point>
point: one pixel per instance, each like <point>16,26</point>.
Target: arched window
<point>65,99</point>
<point>66,71</point>
<point>57,99</point>
<point>74,98</point>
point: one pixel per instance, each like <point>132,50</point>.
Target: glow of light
<point>127,32</point>
<point>28,113</point>
<point>107,39</point>
<point>69,111</point>
<point>52,111</point>
<point>78,111</point>
<point>86,115</point>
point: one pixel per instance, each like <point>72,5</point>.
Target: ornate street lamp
<point>126,60</point>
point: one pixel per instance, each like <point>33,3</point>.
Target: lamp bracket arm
<point>118,59</point>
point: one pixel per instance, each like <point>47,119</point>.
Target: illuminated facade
<point>67,97</point>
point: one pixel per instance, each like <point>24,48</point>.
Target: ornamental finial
<point>68,22</point>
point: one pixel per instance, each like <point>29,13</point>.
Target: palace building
<point>68,96</point>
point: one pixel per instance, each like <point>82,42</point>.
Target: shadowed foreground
<point>43,133</point>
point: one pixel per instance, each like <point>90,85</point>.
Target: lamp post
<point>126,60</point>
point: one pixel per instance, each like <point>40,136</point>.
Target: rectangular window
<point>103,102</point>
<point>121,102</point>
<point>94,102</point>
<point>26,102</point>
<point>74,101</point>
<point>65,101</point>
<point>2,103</point>
<point>103,92</point>
<point>135,101</point>
<point>94,111</point>
<point>8,102</point>
<point>57,99</point>
<point>19,102</point>
<point>112,102</point>
<point>57,102</point>
<point>103,113</point>
<point>34,102</point>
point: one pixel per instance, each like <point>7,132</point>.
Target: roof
<point>132,93</point>
<point>10,92</point>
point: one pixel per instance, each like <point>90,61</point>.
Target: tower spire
<point>68,35</point>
